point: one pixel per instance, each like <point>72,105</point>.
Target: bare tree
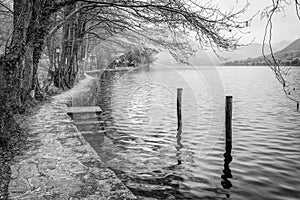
<point>282,73</point>
<point>108,18</point>
<point>32,23</point>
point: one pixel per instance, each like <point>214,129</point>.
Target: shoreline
<point>59,163</point>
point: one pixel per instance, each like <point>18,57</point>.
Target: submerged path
<point>59,163</point>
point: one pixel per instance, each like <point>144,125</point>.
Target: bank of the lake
<point>58,163</point>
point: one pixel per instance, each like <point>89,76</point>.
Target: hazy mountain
<point>251,51</point>
<point>289,55</point>
<point>280,45</point>
<point>208,57</point>
<point>292,47</point>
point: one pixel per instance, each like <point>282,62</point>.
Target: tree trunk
<point>73,34</point>
<point>51,44</point>
<point>18,67</point>
<point>11,68</point>
<point>27,74</point>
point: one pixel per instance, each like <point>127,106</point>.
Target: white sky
<point>286,26</point>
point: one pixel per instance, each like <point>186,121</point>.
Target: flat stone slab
<point>88,122</point>
<point>120,69</point>
<point>93,132</point>
<point>111,70</point>
<point>84,109</point>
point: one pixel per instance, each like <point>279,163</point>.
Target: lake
<point>155,161</point>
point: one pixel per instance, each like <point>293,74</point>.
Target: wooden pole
<point>179,101</point>
<point>297,106</point>
<point>228,123</point>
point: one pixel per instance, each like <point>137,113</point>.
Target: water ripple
<point>157,162</point>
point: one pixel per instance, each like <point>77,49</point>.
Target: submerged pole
<point>228,123</point>
<point>297,106</point>
<point>179,101</point>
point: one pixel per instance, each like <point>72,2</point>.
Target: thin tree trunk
<point>71,46</point>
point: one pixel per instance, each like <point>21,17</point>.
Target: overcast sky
<point>286,25</point>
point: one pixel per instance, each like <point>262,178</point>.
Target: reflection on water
<point>157,161</point>
<point>226,183</point>
<point>179,145</point>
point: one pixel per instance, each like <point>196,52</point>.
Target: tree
<point>6,15</point>
<point>32,23</point>
<point>19,62</point>
<point>108,18</point>
<point>282,73</point>
<point>72,37</point>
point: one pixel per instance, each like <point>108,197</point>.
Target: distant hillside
<point>208,57</point>
<point>281,44</point>
<point>290,55</point>
<point>293,47</point>
<point>251,51</point>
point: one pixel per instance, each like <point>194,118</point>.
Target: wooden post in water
<point>228,123</point>
<point>297,106</point>
<point>179,100</point>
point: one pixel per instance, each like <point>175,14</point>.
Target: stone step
<point>88,122</point>
<point>92,132</point>
<point>90,127</point>
<point>86,116</point>
<point>83,110</point>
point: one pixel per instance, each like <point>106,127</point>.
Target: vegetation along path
<point>60,164</point>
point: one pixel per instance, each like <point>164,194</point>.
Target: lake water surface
<point>144,148</point>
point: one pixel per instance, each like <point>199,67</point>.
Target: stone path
<point>59,163</point>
